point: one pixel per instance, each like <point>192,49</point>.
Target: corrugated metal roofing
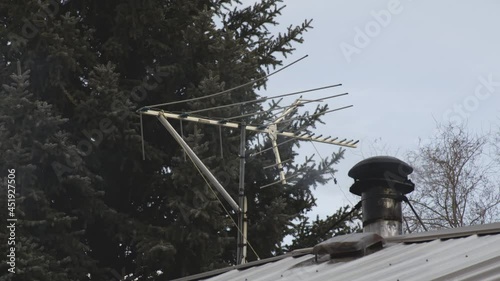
<point>470,258</point>
<point>469,253</point>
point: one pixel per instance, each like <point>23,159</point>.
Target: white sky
<point>417,69</point>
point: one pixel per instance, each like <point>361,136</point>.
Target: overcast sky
<point>406,64</point>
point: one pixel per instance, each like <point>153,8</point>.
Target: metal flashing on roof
<point>350,245</point>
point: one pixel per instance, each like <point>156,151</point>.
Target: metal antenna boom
<point>248,127</point>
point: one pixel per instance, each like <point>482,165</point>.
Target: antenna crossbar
<point>259,129</point>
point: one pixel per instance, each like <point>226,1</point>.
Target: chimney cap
<point>376,167</point>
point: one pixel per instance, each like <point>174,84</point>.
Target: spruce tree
<point>308,234</point>
<point>51,211</point>
<point>95,63</point>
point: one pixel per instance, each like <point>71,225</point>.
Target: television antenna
<point>271,130</point>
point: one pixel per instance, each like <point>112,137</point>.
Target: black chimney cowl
<point>387,170</point>
<point>382,182</point>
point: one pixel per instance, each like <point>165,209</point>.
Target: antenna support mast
<point>241,253</point>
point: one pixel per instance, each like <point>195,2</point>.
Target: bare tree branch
<point>453,177</point>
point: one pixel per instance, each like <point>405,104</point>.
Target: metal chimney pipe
<point>381,182</point>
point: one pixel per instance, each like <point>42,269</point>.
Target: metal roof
<point>468,253</point>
